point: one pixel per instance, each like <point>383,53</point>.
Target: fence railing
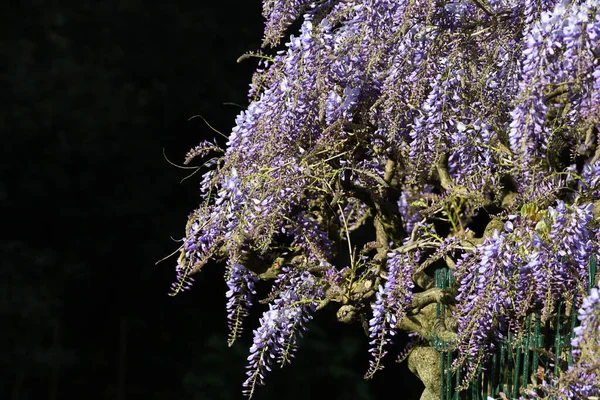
<point>516,362</point>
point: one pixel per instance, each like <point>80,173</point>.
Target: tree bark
<point>424,362</point>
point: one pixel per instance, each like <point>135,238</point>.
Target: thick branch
<point>430,296</point>
<point>423,280</point>
<point>482,7</point>
<point>596,154</point>
<point>427,324</point>
<point>596,210</point>
<point>443,174</point>
<point>390,168</point>
<point>421,323</point>
<point>559,91</point>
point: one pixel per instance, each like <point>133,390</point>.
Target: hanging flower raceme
<point>582,379</point>
<point>531,265</point>
<point>390,307</point>
<point>240,294</point>
<point>275,338</point>
<point>558,62</point>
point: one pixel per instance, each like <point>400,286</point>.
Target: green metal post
<point>510,364</point>
<point>478,382</point>
<point>486,380</point>
<point>536,343</point>
<point>557,339</point>
<point>517,373</point>
<point>526,372</point>
<point>457,396</point>
<point>448,375</point>
<point>502,365</point>
<point>572,332</point>
<point>494,379</point>
<point>442,377</point>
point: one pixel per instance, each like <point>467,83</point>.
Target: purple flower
<point>582,379</point>
<point>279,14</point>
<point>240,284</point>
<point>275,338</point>
<point>558,50</point>
<point>529,267</point>
<point>420,117</point>
<point>393,299</point>
<point>591,180</point>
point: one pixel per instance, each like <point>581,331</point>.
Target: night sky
<point>97,99</point>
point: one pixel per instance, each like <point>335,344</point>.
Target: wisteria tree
<point>391,138</point>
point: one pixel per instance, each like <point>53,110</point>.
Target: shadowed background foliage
<point>93,93</point>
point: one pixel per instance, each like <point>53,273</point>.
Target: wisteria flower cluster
<point>528,266</point>
<point>584,375</point>
<point>275,339</point>
<point>391,305</point>
<point>389,139</point>
<point>582,379</point>
<point>241,284</point>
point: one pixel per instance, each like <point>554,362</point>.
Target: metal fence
<point>516,362</point>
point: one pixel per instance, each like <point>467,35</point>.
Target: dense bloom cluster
<point>591,179</point>
<point>381,138</point>
<point>586,346</point>
<point>582,379</point>
<point>275,338</point>
<point>279,15</point>
<point>390,306</point>
<point>529,266</point>
<point>311,238</point>
<point>559,59</point>
<point>240,294</point>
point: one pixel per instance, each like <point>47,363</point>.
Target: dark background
<point>96,96</point>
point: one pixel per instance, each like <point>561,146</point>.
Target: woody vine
<point>450,134</point>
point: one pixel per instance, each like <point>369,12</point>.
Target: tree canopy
<point>390,138</point>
